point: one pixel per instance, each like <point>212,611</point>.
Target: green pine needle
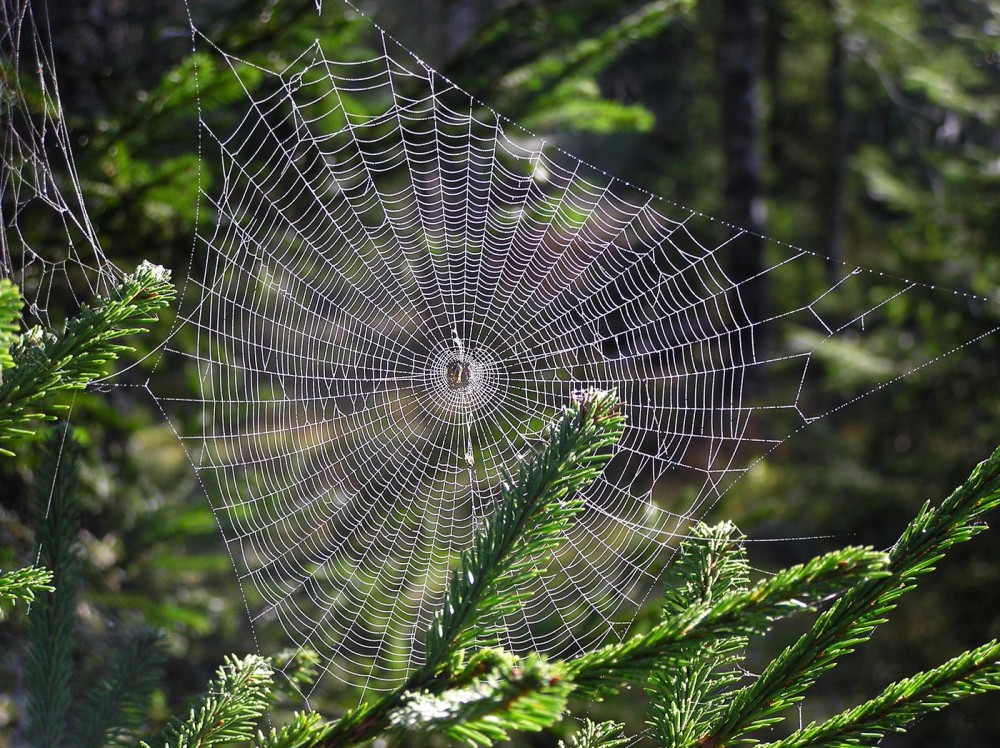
<point>529,696</point>
<point>115,708</point>
<point>597,735</point>
<point>23,584</point>
<point>686,696</point>
<point>52,619</point>
<point>306,729</point>
<point>794,590</point>
<point>10,321</point>
<point>970,673</point>
<point>555,72</point>
<point>711,564</point>
<point>237,698</point>
<point>299,668</point>
<point>852,618</point>
<point>537,505</point>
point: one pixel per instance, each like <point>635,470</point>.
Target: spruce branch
<point>970,673</point>
<point>537,504</point>
<point>592,55</point>
<point>529,695</point>
<point>852,618</point>
<point>597,735</point>
<point>44,362</point>
<point>793,590</point>
<point>300,668</point>
<point>536,507</point>
<point>10,320</point>
<point>50,625</point>
<point>711,565</point>
<point>237,697</point>
<point>306,729</point>
<point>23,584</point>
<point>115,707</point>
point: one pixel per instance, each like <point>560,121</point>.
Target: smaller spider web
<point>48,246</point>
<point>401,291</point>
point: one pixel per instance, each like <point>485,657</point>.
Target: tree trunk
<point>743,202</point>
<point>773,38</point>
<point>839,147</point>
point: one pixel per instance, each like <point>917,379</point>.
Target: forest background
<point>867,132</point>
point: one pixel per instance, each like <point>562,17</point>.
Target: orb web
<point>401,290</point>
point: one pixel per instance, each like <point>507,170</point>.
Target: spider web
<point>402,289</point>
<point>48,246</point>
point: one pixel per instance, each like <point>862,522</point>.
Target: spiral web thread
<point>401,290</point>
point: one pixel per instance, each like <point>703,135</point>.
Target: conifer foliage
<point>468,688</point>
<point>40,363</point>
<point>690,662</point>
<point>65,709</point>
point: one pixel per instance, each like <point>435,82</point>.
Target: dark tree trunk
<point>839,147</point>
<point>743,202</point>
<point>773,39</point>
